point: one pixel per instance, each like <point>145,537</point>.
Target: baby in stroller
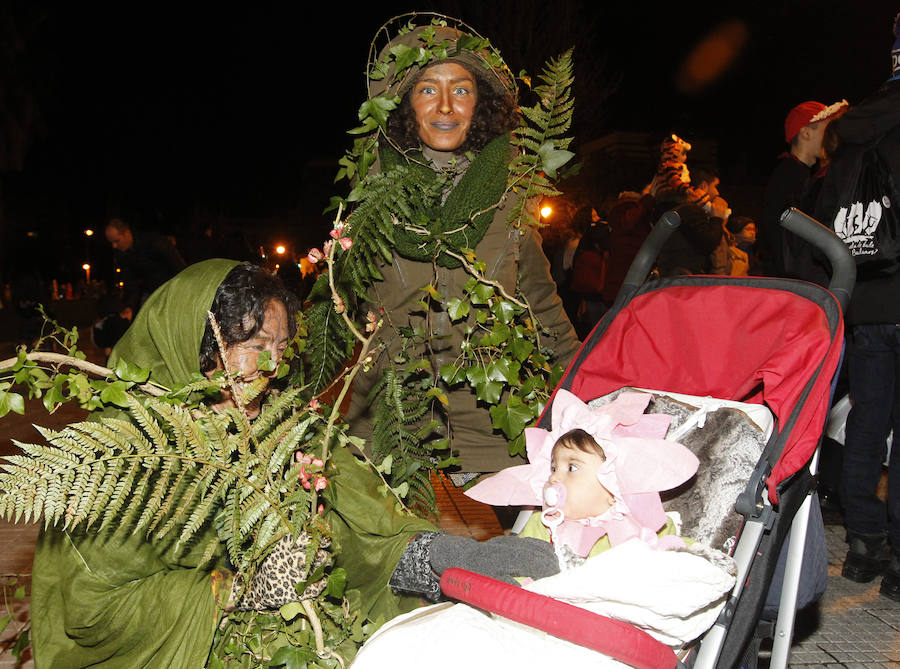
<point>599,472</point>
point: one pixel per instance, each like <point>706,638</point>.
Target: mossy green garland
<point>452,225</point>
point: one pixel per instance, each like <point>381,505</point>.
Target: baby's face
<point>577,470</point>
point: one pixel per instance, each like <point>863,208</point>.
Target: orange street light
<point>546,210</point>
<point>280,249</point>
<point>87,270</point>
<point>88,232</point>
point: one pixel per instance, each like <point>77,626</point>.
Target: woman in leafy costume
<point>119,600</point>
<point>450,136</point>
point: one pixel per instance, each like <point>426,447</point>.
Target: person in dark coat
<point>873,526</point>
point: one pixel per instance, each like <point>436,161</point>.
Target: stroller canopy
<point>765,341</point>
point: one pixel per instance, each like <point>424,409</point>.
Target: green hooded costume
<point>121,602</point>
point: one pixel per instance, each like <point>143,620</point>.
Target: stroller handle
<point>843,267</point>
<point>646,256</point>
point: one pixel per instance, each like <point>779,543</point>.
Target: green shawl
<point>120,602</point>
<point>452,224</point>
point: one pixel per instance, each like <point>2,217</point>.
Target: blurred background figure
<point>589,272</point>
<point>147,260</point>
<point>782,253</point>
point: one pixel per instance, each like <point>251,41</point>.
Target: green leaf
<point>375,110</point>
<point>476,375</point>
<point>504,311</point>
<point>433,292</point>
<point>405,56</point>
<point>22,642</point>
<point>291,610</point>
<point>19,593</point>
<point>481,293</point>
<point>264,362</point>
<point>552,158</point>
<point>499,334</point>
<point>489,392</point>
<point>438,394</point>
<point>457,308</point>
<point>21,357</point>
<point>11,402</point>
<point>512,418</point>
<point>4,621</point>
<point>500,370</point>
<point>115,393</point>
<point>452,374</point>
<point>130,372</point>
<point>291,657</point>
<point>337,583</point>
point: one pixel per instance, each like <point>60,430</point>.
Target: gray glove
<point>273,584</point>
<point>504,558</point>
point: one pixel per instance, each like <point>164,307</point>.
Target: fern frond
<point>329,343</point>
<point>540,139</point>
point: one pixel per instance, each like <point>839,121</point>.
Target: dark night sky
<point>148,108</point>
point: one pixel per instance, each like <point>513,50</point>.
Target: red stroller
<point>776,342</point>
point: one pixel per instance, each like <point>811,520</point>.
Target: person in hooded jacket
<point>873,526</point>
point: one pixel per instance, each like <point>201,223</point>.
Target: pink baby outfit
<point>639,464</point>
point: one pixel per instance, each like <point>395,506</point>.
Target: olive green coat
<point>510,256</point>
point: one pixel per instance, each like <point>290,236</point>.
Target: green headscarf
<point>168,329</point>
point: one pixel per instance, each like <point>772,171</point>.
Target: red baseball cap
<point>808,112</point>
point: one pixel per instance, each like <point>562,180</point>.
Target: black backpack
<point>867,218</point>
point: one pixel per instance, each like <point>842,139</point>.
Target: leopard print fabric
<point>274,583</point>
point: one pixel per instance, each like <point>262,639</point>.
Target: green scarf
<point>451,225</point>
<point>167,332</point>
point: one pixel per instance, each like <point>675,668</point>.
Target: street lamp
<point>87,270</point>
<point>88,232</point>
<point>280,249</point>
<point>546,210</point>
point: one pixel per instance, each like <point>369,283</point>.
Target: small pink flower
<point>321,482</point>
<point>314,256</point>
<point>306,485</point>
<point>314,404</point>
<point>321,509</point>
<point>304,476</point>
<point>345,243</point>
<point>317,462</point>
<point>335,233</point>
<point>370,322</point>
<point>326,247</point>
<point>338,304</point>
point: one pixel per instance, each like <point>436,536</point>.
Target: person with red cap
<point>781,253</point>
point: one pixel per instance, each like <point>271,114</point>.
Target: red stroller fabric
<point>729,340</point>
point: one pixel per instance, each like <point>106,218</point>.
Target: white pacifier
<point>554,501</point>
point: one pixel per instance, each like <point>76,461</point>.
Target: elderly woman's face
<point>242,357</point>
<point>444,99</point>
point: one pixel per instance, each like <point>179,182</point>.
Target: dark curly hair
<point>495,114</point>
<point>239,307</point>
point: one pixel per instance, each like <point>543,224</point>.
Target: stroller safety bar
<point>614,638</point>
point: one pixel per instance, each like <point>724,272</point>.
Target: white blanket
<point>674,596</point>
